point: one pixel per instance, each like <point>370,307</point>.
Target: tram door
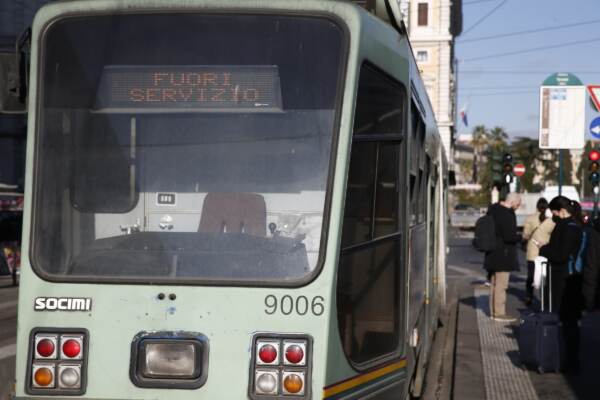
<point>371,264</point>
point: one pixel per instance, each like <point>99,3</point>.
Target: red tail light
<point>46,347</point>
<point>267,352</point>
<point>71,348</point>
<point>294,353</point>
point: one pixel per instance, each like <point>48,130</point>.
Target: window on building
<point>423,14</point>
<point>422,56</point>
<point>369,276</point>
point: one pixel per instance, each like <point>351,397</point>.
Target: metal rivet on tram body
<point>161,296</point>
<point>172,296</point>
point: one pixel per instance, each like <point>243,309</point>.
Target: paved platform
<point>483,353</point>
<point>505,379</point>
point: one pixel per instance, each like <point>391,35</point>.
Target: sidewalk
<point>487,359</point>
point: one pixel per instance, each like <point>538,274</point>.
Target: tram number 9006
<point>300,305</point>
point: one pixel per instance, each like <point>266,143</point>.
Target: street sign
<point>595,128</point>
<point>562,117</point>
<point>562,79</point>
<point>594,91</point>
<point>519,170</point>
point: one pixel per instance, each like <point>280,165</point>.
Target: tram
<point>227,200</point>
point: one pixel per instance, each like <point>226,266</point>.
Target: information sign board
<point>228,88</point>
<point>562,117</point>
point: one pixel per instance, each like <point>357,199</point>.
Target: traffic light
<point>594,167</point>
<point>507,168</point>
<point>496,168</point>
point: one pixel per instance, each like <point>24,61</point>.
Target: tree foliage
<point>524,150</point>
<point>583,173</point>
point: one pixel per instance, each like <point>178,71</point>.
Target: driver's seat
<point>234,213</point>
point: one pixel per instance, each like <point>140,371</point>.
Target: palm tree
<point>498,138</point>
<point>480,138</point>
<point>526,151</point>
<point>480,141</point>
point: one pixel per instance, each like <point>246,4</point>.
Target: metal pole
<point>582,195</point>
<point>596,198</point>
<point>560,171</point>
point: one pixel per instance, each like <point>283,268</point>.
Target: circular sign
<point>519,170</point>
<point>595,128</point>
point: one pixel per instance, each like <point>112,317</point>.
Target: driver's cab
<point>157,163</point>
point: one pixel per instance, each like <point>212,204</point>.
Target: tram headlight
<point>169,360</point>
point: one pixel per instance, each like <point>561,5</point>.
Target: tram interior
<point>187,195</point>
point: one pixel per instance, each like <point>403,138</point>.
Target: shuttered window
<point>423,14</point>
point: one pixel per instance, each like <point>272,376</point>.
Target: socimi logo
<point>62,304</point>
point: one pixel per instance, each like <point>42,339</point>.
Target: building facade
<point>432,27</point>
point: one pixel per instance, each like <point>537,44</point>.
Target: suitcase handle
<point>546,279</point>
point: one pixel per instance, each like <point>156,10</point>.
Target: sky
<point>504,90</point>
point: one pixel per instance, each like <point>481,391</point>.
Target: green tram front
<point>182,193</point>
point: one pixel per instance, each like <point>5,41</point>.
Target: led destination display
<point>196,87</point>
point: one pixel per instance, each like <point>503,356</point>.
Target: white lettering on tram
<point>62,304</point>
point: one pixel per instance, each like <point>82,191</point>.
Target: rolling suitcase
<point>590,342</point>
<point>539,337</point>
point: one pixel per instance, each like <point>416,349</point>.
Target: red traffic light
<point>594,155</point>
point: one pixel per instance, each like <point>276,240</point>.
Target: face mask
<point>556,219</point>
<point>548,213</point>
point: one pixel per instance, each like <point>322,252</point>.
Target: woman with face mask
<point>536,231</point>
<point>566,283</point>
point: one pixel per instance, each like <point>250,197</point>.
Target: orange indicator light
<point>293,383</point>
<point>43,377</point>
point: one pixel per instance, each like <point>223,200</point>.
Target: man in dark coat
<point>503,259</point>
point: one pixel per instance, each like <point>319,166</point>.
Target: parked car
<point>568,191</point>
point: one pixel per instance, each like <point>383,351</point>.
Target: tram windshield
<point>184,147</point>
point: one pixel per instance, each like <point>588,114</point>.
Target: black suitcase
<point>539,337</point>
<point>590,342</point>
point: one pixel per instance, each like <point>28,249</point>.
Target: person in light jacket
<point>533,223</point>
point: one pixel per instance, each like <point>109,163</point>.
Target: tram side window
<point>421,197</point>
<point>369,277</point>
<point>418,178</point>
<point>413,199</point>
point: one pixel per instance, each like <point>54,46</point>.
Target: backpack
<point>485,233</point>
<point>576,264</point>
